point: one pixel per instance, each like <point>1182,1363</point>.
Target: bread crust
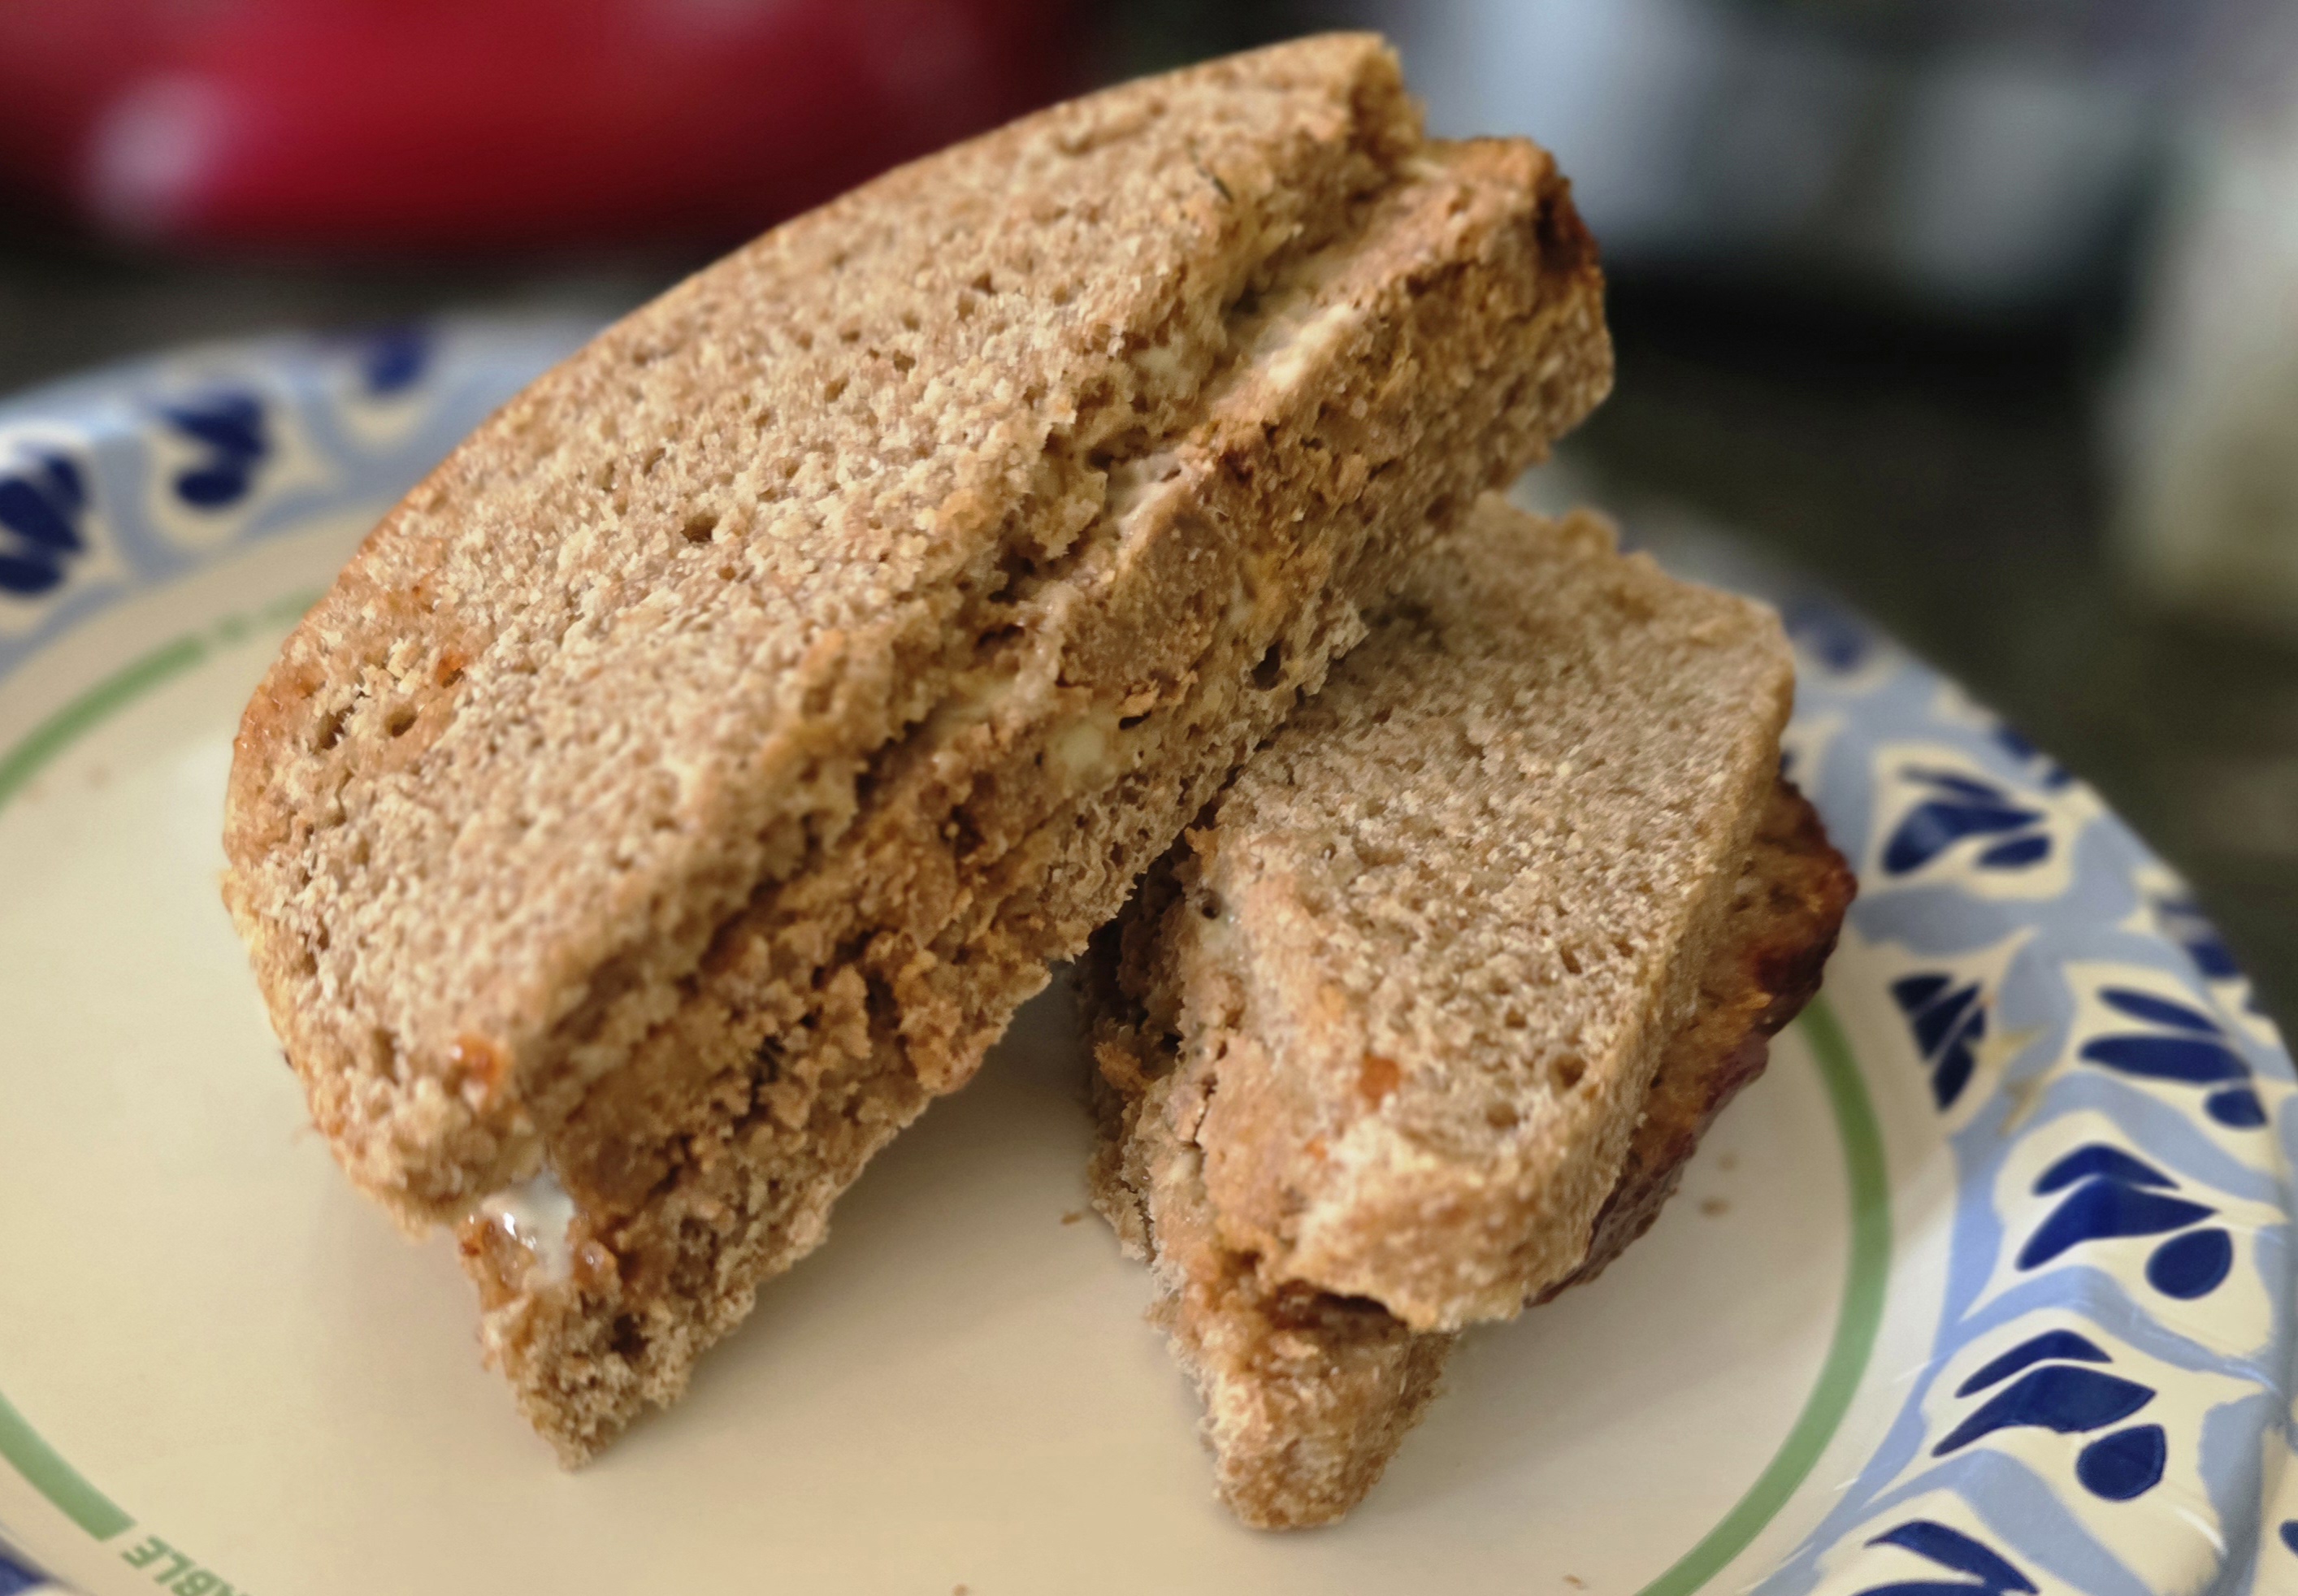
<point>1308,1395</point>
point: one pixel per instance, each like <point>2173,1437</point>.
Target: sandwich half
<point>686,782</point>
<point>1500,920</point>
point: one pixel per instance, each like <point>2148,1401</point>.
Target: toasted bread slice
<point>1443,924</point>
<point>1420,963</point>
<point>1307,1395</point>
<point>686,782</point>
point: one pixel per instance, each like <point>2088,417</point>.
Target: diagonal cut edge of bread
<point>1308,1395</point>
<point>1446,918</point>
<point>685,783</point>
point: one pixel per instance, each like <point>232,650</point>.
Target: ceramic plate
<point>1985,1287</point>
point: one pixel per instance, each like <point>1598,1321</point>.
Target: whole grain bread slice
<point>686,782</point>
<point>1445,920</point>
<point>1307,1395</point>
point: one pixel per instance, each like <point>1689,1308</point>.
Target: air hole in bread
<point>1271,670</point>
<point>330,731</point>
<point>1568,1070</point>
<point>833,390</point>
<point>400,721</point>
<point>700,527</point>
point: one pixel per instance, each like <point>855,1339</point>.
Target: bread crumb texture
<point>1449,915</point>
<point>687,781</point>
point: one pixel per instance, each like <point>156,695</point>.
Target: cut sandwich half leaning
<point>684,784</point>
<point>1458,970</point>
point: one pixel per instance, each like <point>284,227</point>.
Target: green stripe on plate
<point>56,1479</point>
<point>1856,1320</point>
<point>38,1462</point>
<point>50,737</point>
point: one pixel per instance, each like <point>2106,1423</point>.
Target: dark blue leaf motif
<point>2116,1195</point>
<point>41,506</point>
<point>2181,919</point>
<point>1951,1549</point>
<point>2290,1534</point>
<point>2053,1391</point>
<point>27,578</point>
<point>2056,1397</point>
<point>2103,1211</point>
<point>2097,1158</point>
<point>230,427</point>
<point>2052,1344</point>
<point>2018,851</point>
<point>1961,808</point>
<point>2196,1054</point>
<point>1934,1021</point>
<point>1968,787</point>
<point>2126,1464</point>
<point>2048,772</point>
<point>1947,1023</point>
<point>394,358</point>
<point>2191,1266</point>
<point>2161,1010</point>
<point>2189,1059</point>
<point>1827,635</point>
<point>2238,1108</point>
<point>2195,1051</point>
<point>15,1576</point>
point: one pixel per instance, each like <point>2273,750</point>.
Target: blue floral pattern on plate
<point>2107,1400</point>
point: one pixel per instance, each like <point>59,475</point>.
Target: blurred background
<point>1983,312</point>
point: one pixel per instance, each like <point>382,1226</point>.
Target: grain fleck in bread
<point>686,782</point>
<point>1307,1395</point>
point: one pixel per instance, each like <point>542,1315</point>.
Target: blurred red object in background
<point>453,125</point>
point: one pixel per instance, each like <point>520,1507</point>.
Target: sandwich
<point>683,786</point>
<point>1420,1022</point>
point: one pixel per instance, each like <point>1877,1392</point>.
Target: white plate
<point>1944,1299</point>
